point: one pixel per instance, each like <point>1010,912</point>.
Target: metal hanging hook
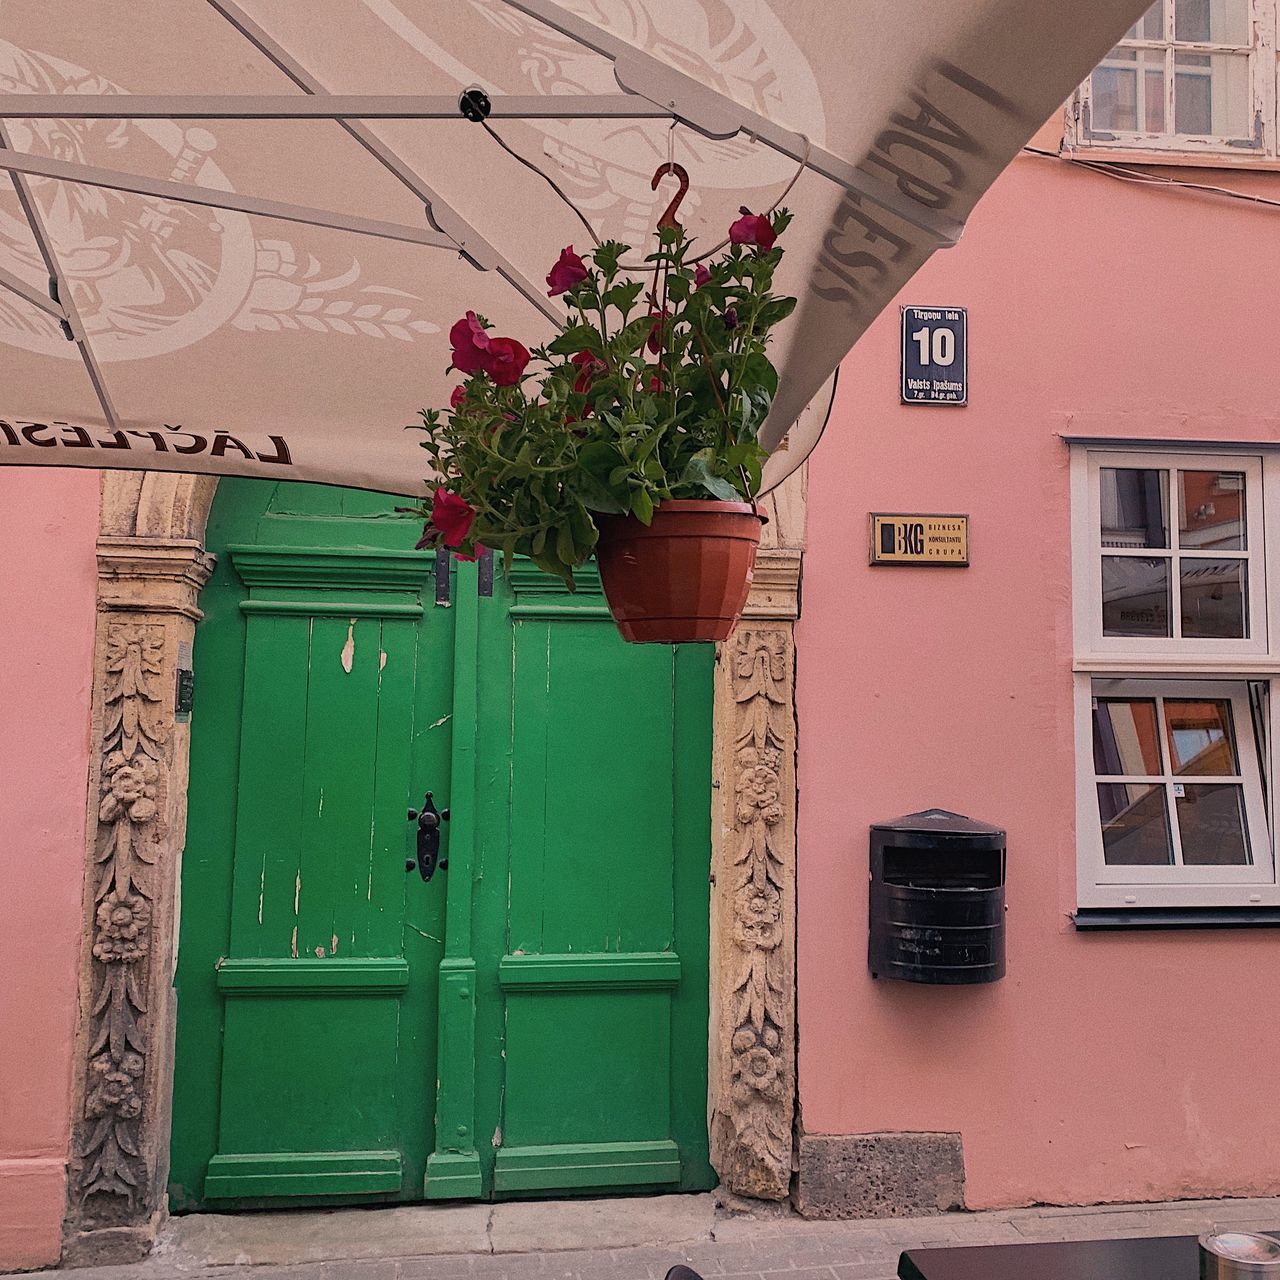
<point>668,216</point>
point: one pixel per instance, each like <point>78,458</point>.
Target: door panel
<point>599,1063</point>
<point>326,981</point>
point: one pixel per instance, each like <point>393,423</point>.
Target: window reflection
<point>1213,599</point>
<point>1211,510</point>
<point>1135,825</point>
<point>1212,825</point>
<point>1135,507</point>
<point>1200,737</point>
<point>1135,596</point>
<point>1125,737</point>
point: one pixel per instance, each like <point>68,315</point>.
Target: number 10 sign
<point>935,355</point>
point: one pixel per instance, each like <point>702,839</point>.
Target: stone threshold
<point>336,1235</point>
<point>626,1238</point>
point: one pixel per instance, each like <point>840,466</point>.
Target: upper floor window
<point>1190,76</point>
<point>1175,558</point>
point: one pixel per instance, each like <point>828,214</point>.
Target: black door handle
<point>428,819</point>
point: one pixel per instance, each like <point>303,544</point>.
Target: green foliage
<point>655,389</point>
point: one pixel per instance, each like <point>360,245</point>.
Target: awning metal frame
<point>60,290</point>
<point>23,162</point>
<point>650,90</point>
<point>326,106</point>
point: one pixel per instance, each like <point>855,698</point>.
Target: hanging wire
<point>591,231</point>
<point>546,177</point>
<point>1121,173</point>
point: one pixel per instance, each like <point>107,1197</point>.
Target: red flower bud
<point>588,366</point>
<point>654,341</point>
<point>455,398</point>
<point>569,270</point>
<point>700,276</point>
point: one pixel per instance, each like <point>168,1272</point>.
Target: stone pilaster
<point>753,1010</point>
<point>148,587</point>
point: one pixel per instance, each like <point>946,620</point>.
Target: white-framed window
<point>1190,77</point>
<point>1176,554</point>
<point>1176,655</point>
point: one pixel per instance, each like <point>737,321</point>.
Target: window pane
<point>1212,21</point>
<point>1135,507</point>
<point>1113,95</point>
<point>1200,736</point>
<point>1135,825</point>
<point>1211,94</point>
<point>1150,26</point>
<point>1127,92</point>
<point>1211,820</point>
<point>1125,737</point>
<point>1135,596</point>
<point>1211,510</point>
<point>1213,599</point>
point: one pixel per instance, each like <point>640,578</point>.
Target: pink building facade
<point>1122,338</point>
<point>1098,682</point>
<point>48,583</point>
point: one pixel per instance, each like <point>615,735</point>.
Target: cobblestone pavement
<point>483,1242</point>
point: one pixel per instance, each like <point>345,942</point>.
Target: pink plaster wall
<point>48,526</point>
<point>1104,1066</point>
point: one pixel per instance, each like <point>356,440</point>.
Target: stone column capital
<point>775,588</point>
<point>151,575</point>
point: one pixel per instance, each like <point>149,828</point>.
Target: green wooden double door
<point>533,1020</point>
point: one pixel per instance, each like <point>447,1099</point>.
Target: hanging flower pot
<point>635,436</point>
<point>682,577</point>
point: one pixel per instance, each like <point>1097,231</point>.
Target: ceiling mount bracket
<point>474,105</point>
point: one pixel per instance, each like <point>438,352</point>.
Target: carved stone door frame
<point>151,568</point>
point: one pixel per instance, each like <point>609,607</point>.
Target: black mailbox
<point>937,899</point>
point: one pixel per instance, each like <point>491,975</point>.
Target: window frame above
<point>1088,558</point>
<point>1258,145</point>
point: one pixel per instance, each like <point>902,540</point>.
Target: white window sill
<point>1143,157</point>
<point>1094,919</point>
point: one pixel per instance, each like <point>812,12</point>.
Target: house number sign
<point>935,355</point>
<point>919,539</point>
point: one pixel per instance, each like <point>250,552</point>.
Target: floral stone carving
<point>756,859</point>
<point>133,780</point>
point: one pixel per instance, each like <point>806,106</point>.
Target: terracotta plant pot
<point>683,577</point>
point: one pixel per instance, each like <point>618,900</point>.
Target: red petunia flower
<point>470,343</point>
<point>568,271</point>
<point>455,399</point>
<point>752,228</point>
<point>453,516</point>
<point>654,341</point>
<point>505,361</point>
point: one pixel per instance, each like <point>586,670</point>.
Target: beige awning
<point>238,231</point>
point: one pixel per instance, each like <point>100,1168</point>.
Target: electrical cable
<point>546,177</point>
<point>1122,173</point>
<point>582,218</point>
